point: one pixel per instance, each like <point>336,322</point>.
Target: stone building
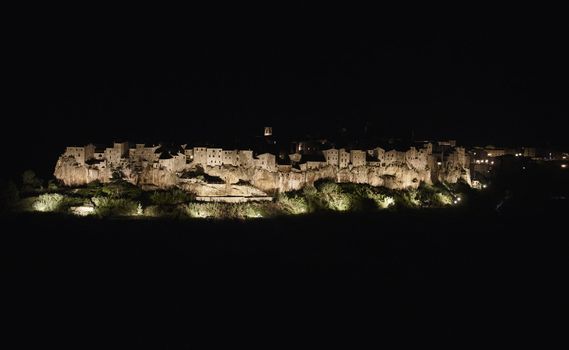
<point>312,162</point>
<point>200,156</point>
<point>331,156</point>
<point>377,153</point>
<point>394,156</point>
<point>245,158</point>
<point>172,162</point>
<point>141,153</point>
<point>266,161</point>
<point>230,157</point>
<point>189,152</point>
<point>343,158</point>
<point>492,151</point>
<point>416,158</point>
<point>214,157</point>
<point>81,154</point>
<point>295,157</point>
<point>114,155</point>
<point>99,153</point>
<point>357,158</point>
<point>284,164</point>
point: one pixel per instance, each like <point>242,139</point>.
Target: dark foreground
<point>453,274</point>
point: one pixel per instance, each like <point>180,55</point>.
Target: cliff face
<point>74,174</point>
<point>393,176</point>
<point>397,175</point>
<point>453,170</point>
<point>454,174</point>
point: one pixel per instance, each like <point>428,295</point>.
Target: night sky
<point>302,71</point>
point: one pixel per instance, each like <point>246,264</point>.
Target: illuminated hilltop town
<point>250,172</point>
<point>212,171</point>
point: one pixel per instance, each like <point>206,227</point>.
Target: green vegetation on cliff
<point>122,199</point>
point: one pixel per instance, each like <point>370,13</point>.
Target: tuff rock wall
<point>397,175</point>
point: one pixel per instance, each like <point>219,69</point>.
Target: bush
<point>52,202</point>
<point>206,210</point>
<point>365,197</point>
<point>408,198</point>
<point>229,210</point>
<point>434,196</point>
<point>334,197</point>
<point>49,202</point>
<point>170,197</point>
<point>121,189</point>
<point>293,203</point>
<point>258,210</point>
<point>106,206</point>
<point>172,211</point>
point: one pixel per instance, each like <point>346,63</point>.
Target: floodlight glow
<point>83,210</point>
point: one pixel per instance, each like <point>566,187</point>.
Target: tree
<point>52,185</point>
<point>30,181</point>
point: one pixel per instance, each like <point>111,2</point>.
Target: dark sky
<point>156,78</point>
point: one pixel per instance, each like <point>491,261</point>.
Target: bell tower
<point>268,131</point>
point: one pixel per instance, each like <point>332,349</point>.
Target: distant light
<point>484,186</point>
<point>564,165</point>
<point>458,199</point>
<point>564,157</point>
<point>492,162</point>
<point>524,168</point>
<point>455,202</point>
<point>489,154</point>
<point>439,163</point>
<point>486,161</point>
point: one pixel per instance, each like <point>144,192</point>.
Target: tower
<point>268,131</point>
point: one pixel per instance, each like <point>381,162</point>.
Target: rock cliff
<point>393,176</point>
